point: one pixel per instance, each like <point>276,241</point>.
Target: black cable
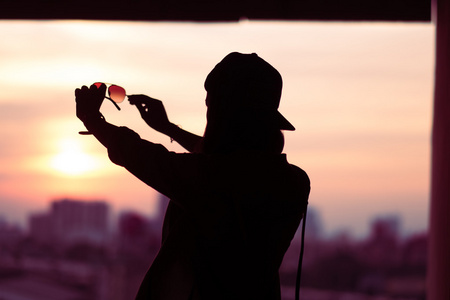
<point>300,260</point>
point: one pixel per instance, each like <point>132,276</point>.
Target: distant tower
<point>314,228</point>
<point>385,229</point>
<point>382,245</point>
<point>41,227</point>
<point>76,221</point>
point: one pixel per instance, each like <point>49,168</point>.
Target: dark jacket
<point>228,225</point>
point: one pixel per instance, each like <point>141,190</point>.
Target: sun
<point>72,160</point>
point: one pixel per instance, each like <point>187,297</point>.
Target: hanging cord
<point>300,260</point>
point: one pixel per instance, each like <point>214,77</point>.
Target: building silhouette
<point>71,221</point>
<point>69,253</point>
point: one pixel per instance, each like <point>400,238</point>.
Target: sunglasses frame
<point>109,85</point>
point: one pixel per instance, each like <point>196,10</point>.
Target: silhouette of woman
<point>236,202</point>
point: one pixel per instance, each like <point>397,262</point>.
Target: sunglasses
<point>116,94</point>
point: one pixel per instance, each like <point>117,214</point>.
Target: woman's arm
<point>149,162</point>
<point>154,114</point>
<point>186,139</point>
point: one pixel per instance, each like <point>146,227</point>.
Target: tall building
<point>71,221</point>
<point>80,221</point>
<point>41,227</point>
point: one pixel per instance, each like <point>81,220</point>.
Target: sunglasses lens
<point>117,93</point>
<point>98,84</point>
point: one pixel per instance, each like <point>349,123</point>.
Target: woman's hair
<point>230,131</point>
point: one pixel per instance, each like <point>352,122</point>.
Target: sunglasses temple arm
<point>115,104</point>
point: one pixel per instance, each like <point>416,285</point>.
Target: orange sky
<point>359,94</point>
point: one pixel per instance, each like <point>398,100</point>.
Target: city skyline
<point>75,215</point>
<point>69,221</point>
<point>67,263</point>
<point>359,94</point>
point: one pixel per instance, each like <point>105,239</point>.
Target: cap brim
<point>283,123</point>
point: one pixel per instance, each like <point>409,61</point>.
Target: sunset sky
<point>359,94</point>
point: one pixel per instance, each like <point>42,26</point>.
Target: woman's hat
<point>246,81</point>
